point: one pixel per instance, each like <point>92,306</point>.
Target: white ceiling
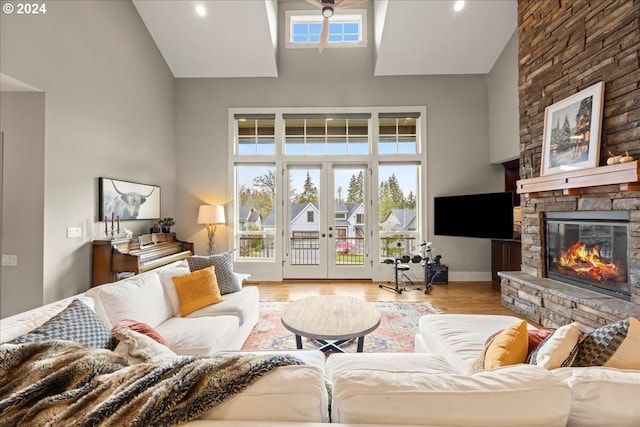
<point>411,37</point>
<point>238,38</point>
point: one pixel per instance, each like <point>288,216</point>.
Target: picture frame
<point>571,138</point>
<point>127,201</point>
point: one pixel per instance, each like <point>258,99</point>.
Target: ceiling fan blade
<point>315,3</point>
<point>348,3</point>
<point>324,34</point>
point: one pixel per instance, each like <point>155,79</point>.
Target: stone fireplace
<point>564,47</point>
<point>606,221</point>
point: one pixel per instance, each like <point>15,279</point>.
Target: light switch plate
<point>9,260</point>
<point>74,232</point>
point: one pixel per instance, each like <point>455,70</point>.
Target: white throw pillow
<point>558,349</point>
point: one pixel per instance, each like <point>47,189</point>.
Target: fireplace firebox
<point>589,249</point>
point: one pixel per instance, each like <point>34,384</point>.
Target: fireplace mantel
<point>626,175</point>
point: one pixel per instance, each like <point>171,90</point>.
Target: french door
<point>327,221</point>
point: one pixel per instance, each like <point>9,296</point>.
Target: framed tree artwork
<point>572,128</point>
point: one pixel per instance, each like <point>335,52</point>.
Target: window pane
<point>397,136</point>
<point>300,29</point>
<point>351,27</point>
<point>398,215</point>
<point>256,136</point>
<point>255,221</point>
<point>327,136</point>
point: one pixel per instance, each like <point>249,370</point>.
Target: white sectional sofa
<point>289,394</point>
<point>431,387</point>
<point>434,386</point>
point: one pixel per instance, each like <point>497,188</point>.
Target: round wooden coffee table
<point>331,320</point>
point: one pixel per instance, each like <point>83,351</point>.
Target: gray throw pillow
<point>223,266</point>
<point>76,322</point>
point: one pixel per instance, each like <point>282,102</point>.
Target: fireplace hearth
<point>589,250</point>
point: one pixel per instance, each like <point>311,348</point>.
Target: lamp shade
<point>210,214</point>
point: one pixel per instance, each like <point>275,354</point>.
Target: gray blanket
<point>55,383</point>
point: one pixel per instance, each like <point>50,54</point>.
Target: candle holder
<point>112,234</point>
<point>115,227</point>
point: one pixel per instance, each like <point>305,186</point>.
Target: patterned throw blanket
<point>55,383</point>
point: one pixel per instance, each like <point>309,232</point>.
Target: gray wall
<point>504,114</point>
<point>457,139</point>
<point>112,108</point>
<point>109,108</point>
<point>22,121</point>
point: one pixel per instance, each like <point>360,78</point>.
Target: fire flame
<point>587,263</point>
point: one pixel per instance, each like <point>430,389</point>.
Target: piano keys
<point>116,259</point>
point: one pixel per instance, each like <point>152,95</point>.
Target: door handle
<point>330,235</point>
<point>323,235</point>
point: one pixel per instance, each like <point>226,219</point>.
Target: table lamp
<point>211,216</point>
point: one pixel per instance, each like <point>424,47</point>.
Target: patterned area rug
<point>398,326</point>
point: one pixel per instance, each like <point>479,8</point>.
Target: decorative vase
<point>166,228</point>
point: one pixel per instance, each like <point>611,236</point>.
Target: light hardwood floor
<point>455,297</point>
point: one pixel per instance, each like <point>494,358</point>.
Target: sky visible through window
<point>309,32</point>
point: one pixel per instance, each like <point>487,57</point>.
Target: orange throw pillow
<point>197,290</point>
<point>509,347</point>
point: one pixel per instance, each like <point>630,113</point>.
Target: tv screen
<point>488,215</point>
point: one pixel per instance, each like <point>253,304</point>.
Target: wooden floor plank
<point>455,297</point>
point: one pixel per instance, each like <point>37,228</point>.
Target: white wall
<point>22,122</point>
<point>504,114</point>
<point>109,107</point>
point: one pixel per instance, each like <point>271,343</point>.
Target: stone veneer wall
<point>564,47</point>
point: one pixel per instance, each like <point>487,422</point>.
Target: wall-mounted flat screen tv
<point>488,215</point>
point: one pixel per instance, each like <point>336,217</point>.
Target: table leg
<point>298,342</point>
<point>360,344</point>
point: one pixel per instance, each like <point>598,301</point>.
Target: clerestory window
<point>346,28</point>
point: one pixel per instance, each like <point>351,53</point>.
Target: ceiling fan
<point>328,7</point>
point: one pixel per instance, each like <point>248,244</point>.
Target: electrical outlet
<point>74,232</point>
<point>9,260</point>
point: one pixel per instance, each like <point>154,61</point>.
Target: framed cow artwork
<point>127,201</point>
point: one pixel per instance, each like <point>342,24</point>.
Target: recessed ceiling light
<point>457,6</point>
<point>200,10</point>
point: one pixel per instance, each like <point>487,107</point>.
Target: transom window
<point>397,133</point>
<point>326,134</point>
<point>346,29</point>
<point>256,134</point>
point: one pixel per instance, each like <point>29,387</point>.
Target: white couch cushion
<point>169,287</point>
<point>388,362</point>
<point>460,338</point>
<point>240,304</point>
<point>517,395</point>
<point>199,336</point>
<point>235,306</point>
<point>138,298</point>
<point>296,393</point>
<point>602,396</point>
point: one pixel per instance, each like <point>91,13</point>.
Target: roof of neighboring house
<point>247,213</point>
<point>270,220</point>
<point>349,208</point>
<point>297,208</point>
<point>406,219</point>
